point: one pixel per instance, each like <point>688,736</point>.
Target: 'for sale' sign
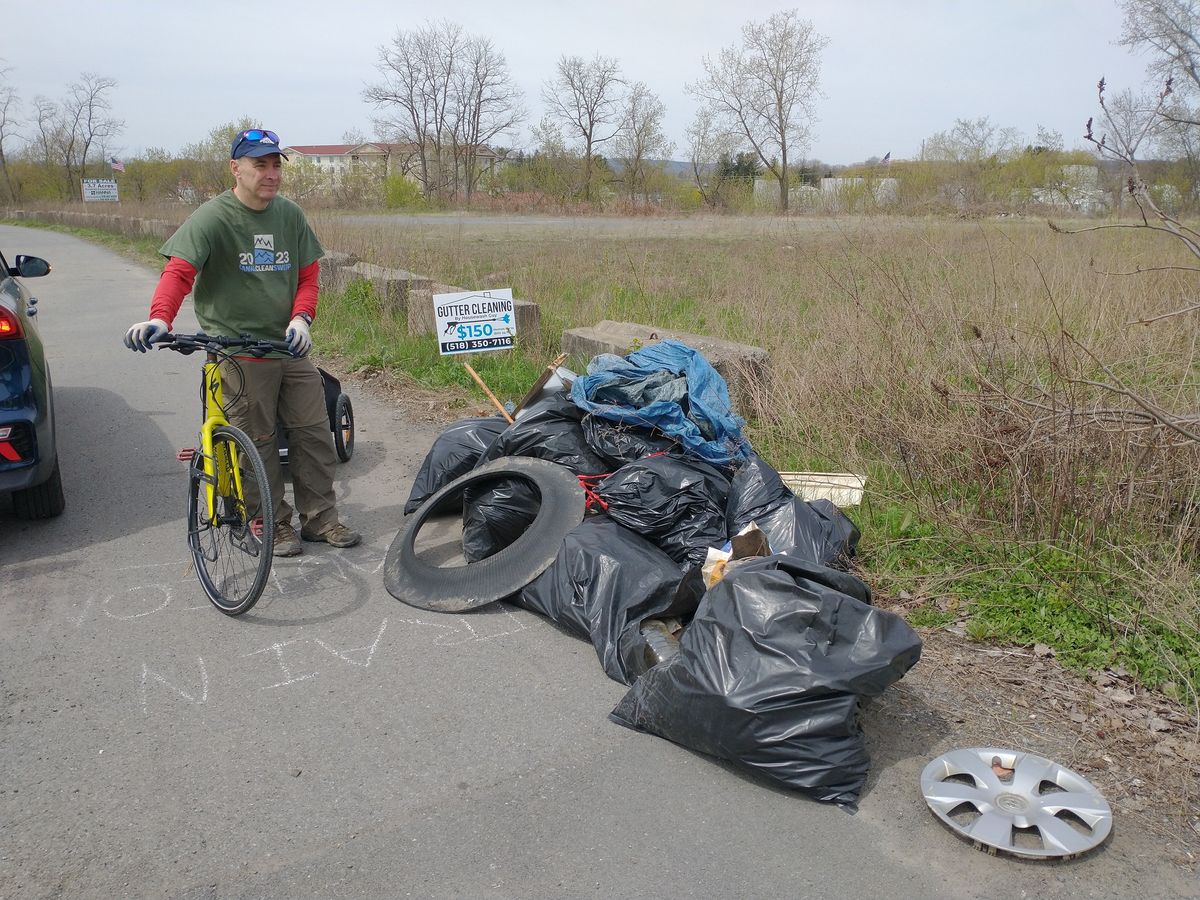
<point>99,189</point>
<point>470,321</point>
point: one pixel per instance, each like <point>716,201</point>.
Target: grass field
<point>979,372</point>
<point>1031,446</point>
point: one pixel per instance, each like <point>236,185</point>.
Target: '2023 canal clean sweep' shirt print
<point>264,257</point>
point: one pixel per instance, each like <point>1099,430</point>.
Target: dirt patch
<point>1139,748</point>
<point>417,402</point>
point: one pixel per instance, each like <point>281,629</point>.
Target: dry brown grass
<point>986,374</point>
<point>936,342</point>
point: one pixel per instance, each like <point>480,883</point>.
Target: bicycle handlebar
<point>190,343</point>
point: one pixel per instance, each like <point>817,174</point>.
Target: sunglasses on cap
<point>255,142</point>
<point>257,134</point>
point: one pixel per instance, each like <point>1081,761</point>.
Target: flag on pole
<point>117,165</point>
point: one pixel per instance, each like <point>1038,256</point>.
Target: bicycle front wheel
<point>231,543</point>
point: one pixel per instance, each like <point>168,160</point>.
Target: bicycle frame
<point>217,473</point>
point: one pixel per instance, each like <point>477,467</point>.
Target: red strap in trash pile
<point>589,483</point>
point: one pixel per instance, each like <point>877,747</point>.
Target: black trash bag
<point>620,443</point>
<point>677,504</point>
<point>769,673</point>
<point>755,491</point>
<point>814,530</point>
<point>454,453</point>
<point>495,513</point>
<point>605,581</point>
<point>551,430</point>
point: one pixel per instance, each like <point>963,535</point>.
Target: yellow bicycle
<point>230,514</point>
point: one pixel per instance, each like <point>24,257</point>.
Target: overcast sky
<point>894,71</point>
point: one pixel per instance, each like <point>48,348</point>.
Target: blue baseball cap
<point>255,142</point>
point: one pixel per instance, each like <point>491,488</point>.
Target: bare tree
<point>207,168</point>
<point>415,94</point>
<point>86,122</point>
<point>487,104</point>
<point>1049,139</point>
<point>1170,31</point>
<point>585,95</point>
<point>974,148</point>
<point>972,141</point>
<point>765,89</point>
<point>641,136</point>
<point>1122,140</point>
<point>47,142</point>
<point>10,106</point>
<point>708,142</point>
<point>447,93</point>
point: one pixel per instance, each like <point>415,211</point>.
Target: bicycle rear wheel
<point>232,549</point>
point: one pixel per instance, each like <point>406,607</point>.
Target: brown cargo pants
<point>287,392</point>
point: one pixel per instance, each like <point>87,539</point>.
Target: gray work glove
<point>139,336</point>
<point>298,337</point>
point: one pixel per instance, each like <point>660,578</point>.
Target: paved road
<point>337,743</point>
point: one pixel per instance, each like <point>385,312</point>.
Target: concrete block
<point>745,368</point>
<point>393,286</point>
<point>420,310</point>
<point>529,319</point>
<point>160,228</point>
<point>332,272</point>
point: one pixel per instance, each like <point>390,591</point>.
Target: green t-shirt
<point>248,261</point>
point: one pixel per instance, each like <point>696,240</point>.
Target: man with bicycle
<point>253,260</point>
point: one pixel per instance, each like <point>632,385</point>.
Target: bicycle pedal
<point>187,454</point>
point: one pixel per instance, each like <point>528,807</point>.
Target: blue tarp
<point>672,387</point>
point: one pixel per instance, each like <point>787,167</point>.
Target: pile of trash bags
<point>759,660</point>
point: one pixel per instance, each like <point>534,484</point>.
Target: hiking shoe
<point>335,536</point>
<point>286,542</point>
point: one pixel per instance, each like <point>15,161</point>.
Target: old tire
<point>418,583</point>
<point>343,428</point>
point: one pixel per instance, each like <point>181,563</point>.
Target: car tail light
<point>16,444</point>
<point>10,325</point>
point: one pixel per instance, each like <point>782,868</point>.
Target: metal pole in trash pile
<point>487,390</point>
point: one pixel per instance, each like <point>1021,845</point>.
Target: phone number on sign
<point>493,343</point>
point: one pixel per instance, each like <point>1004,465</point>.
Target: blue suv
<point>28,454</point>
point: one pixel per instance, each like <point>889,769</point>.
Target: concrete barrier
<point>745,368</point>
<point>112,222</point>
<point>331,277</point>
<point>394,287</point>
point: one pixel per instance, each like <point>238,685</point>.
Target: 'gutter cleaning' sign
<point>99,189</point>
<point>470,321</point>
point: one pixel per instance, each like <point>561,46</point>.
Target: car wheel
<point>42,501</point>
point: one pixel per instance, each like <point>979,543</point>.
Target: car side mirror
<point>30,267</point>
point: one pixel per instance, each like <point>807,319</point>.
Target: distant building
<point>384,159</point>
<point>834,194</point>
<point>1076,188</point>
<point>341,159</point>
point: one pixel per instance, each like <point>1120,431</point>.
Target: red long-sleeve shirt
<point>179,275</point>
